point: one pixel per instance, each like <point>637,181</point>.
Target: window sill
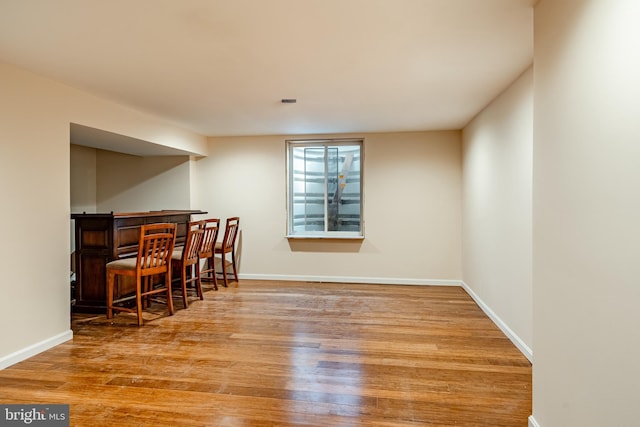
<point>322,237</point>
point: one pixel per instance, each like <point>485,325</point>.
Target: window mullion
<point>306,197</point>
<point>326,187</point>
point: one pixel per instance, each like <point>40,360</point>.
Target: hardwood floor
<point>267,353</point>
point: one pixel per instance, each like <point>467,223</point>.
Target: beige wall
<point>412,198</point>
<point>246,177</point>
<point>106,181</point>
<point>586,201</point>
<point>127,183</point>
<point>35,191</point>
<point>34,185</point>
<point>83,174</point>
<point>497,209</point>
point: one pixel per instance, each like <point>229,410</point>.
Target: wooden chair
<point>211,227</point>
<point>155,247</point>
<point>186,258</point>
<point>226,246</point>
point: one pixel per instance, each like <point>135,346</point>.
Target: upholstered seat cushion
<point>177,254</point>
<point>123,264</point>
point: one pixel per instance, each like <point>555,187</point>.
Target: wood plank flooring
<point>266,353</point>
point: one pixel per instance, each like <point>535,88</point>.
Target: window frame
<point>311,143</point>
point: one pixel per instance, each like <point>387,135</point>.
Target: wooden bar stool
<point>186,259</point>
<point>228,246</point>
<point>210,227</point>
<point>155,247</point>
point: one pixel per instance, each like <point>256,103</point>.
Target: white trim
<point>333,236</point>
<point>32,350</point>
<point>515,339</point>
<point>533,422</point>
<point>350,279</point>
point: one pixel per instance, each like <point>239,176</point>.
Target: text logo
<point>34,415</point>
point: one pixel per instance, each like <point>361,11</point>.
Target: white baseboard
<point>34,349</point>
<point>350,279</point>
<point>515,339</point>
<point>533,422</point>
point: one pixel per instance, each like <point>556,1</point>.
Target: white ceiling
<point>221,67</point>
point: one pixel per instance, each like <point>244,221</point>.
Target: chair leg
<point>183,283</point>
<point>198,281</point>
<point>233,263</point>
<point>223,259</point>
<point>169,297</point>
<point>139,301</point>
<point>111,277</point>
<point>210,267</point>
<point>146,301</point>
<point>212,262</point>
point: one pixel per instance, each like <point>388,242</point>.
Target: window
<point>325,188</point>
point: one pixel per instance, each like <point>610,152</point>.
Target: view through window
<point>325,188</point>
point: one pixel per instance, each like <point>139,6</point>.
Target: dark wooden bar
<point>104,237</point>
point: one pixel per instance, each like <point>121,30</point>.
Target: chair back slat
<point>210,228</point>
<point>228,246</point>
<point>191,249</point>
<point>155,248</point>
<point>230,233</point>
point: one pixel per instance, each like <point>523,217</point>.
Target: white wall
<point>586,205</point>
<point>497,208</point>
<point>412,197</point>
<point>35,192</point>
